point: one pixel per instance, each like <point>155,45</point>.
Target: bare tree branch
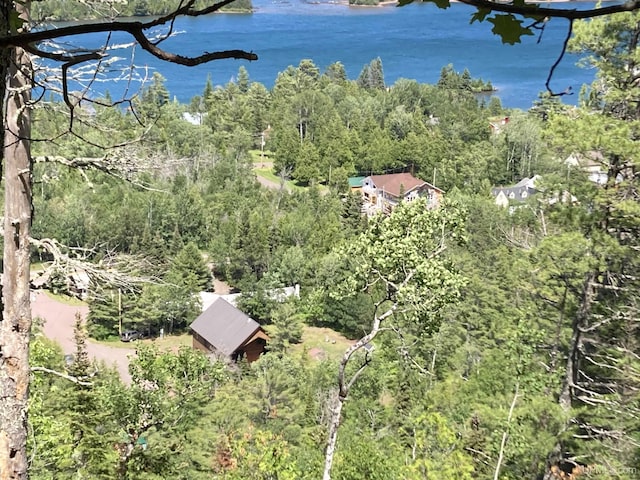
<point>557,62</point>
<point>137,31</point>
<point>110,272</point>
<point>71,378</point>
<point>533,10</point>
<point>119,166</point>
<point>505,435</point>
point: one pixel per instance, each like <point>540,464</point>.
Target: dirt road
<point>59,319</point>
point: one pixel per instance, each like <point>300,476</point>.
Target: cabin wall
<point>200,343</point>
<point>253,350</point>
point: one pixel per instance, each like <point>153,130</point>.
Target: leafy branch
<point>510,29</point>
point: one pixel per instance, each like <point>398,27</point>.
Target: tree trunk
<point>336,414</point>
<point>344,385</point>
<point>580,321</point>
<point>565,397</point>
<point>15,326</point>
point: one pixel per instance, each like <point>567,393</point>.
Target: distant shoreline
<point>390,3</point>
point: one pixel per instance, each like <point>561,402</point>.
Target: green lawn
<point>322,341</point>
<point>317,342</point>
<point>291,185</point>
<point>269,175</point>
<point>258,157</point>
<point>37,266</point>
<point>169,342</point>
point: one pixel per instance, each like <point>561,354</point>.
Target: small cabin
<point>225,331</point>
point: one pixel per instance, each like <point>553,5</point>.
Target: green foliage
<point>438,450</point>
<point>286,328</point>
<point>508,27</point>
<point>450,79</point>
<point>259,303</point>
<point>189,270</point>
<point>372,77</point>
<point>552,281</point>
<point>62,10</point>
<point>167,394</point>
<point>336,73</point>
<point>262,455</point>
<point>609,44</point>
<point>403,251</point>
<point>109,313</point>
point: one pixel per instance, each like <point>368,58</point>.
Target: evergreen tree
<point>243,80</point>
<point>189,270</point>
<point>610,45</point>
<point>307,75</point>
<point>286,328</point>
<point>108,313</point>
<point>372,77</point>
<point>92,454</point>
<point>592,281</point>
<point>336,73</point>
<point>155,95</point>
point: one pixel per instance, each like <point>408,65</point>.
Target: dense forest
<point>513,353</point>
<point>65,10</point>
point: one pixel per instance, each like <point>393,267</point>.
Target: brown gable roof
<point>224,326</point>
<point>394,183</point>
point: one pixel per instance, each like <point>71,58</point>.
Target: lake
<point>413,42</point>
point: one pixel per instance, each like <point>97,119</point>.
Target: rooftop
<point>395,183</point>
<point>224,326</point>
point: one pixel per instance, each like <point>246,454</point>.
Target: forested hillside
<point>65,10</point>
<point>510,349</point>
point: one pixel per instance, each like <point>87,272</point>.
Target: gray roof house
<point>278,294</point>
<point>517,193</point>
<point>225,331</point>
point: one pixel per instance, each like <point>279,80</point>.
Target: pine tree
<point>372,77</point>
<point>243,80</point>
<point>93,454</point>
<point>189,270</point>
<point>105,314</point>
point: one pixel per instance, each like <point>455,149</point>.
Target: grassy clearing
<point>260,157</point>
<point>317,342</point>
<point>169,342</point>
<point>328,341</point>
<point>268,174</point>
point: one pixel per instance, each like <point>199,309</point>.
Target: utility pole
<point>119,311</point>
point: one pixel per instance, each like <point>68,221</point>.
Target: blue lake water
<point>413,42</point>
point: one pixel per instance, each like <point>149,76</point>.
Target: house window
<point>524,194</point>
<point>512,195</point>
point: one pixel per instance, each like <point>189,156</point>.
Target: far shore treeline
<point>62,10</point>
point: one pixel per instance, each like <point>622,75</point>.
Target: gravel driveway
<point>59,319</point>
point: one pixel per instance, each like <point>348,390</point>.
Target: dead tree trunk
<point>15,325</point>
<point>345,383</point>
<point>336,417</point>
